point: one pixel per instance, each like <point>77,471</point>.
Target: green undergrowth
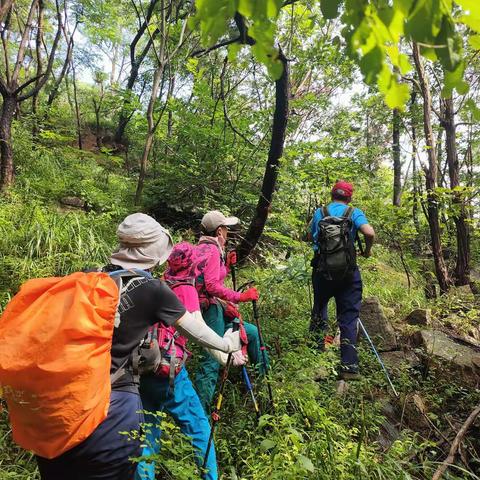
<point>311,433</point>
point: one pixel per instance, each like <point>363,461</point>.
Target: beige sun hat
<point>144,243</point>
<point>214,219</point>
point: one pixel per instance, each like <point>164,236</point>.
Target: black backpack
<point>336,255</point>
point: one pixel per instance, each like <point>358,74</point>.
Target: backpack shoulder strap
<point>348,212</point>
<point>325,212</point>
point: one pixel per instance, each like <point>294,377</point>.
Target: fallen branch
<point>456,444</point>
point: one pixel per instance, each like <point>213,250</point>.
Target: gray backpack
<point>336,255</point>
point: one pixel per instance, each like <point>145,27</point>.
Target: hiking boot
<point>349,372</point>
<point>351,376</point>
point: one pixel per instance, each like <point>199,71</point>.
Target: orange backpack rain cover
<point>55,341</point>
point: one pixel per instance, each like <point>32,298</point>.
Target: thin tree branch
<point>456,444</point>
<point>51,59</point>
<point>23,42</point>
<point>204,51</point>
<point>4,8</point>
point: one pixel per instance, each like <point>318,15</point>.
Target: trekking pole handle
<point>255,309</point>
<point>234,276</point>
<point>360,244</point>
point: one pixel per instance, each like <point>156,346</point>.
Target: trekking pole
<point>364,330</point>
<point>262,349</point>
<point>218,406</point>
<point>246,377</point>
<point>234,277</point>
<point>248,383</point>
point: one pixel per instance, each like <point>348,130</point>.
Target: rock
<point>420,316</point>
<point>398,359</point>
<point>74,202</point>
<point>377,325</point>
<point>342,388</point>
<point>388,432</point>
<point>445,350</point>
<point>462,291</point>
<point>415,411</point>
<point>321,374</point>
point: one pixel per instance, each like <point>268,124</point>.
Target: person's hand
<point>231,259</point>
<point>239,359</point>
<point>231,311</point>
<point>233,340</point>
<point>250,295</point>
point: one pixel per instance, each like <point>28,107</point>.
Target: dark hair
<point>209,234</point>
<point>342,198</point>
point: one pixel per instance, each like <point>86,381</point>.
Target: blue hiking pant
<point>348,299</point>
<point>104,455</point>
<point>184,406</point>
<point>207,373</point>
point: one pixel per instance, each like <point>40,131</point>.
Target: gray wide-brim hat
<point>144,243</point>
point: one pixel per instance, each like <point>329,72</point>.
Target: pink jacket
<point>214,270</point>
<point>188,295</point>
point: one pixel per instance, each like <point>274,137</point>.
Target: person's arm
<point>197,330</point>
<point>170,311</point>
<point>307,234</point>
<point>211,275</point>
<point>369,234</point>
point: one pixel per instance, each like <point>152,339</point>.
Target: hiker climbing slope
<point>169,389</point>
<point>217,314</point>
<point>82,325</point>
<point>335,272</point>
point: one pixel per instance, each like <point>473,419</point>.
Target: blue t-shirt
<point>337,209</point>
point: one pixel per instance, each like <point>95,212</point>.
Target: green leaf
<point>395,94</point>
<point>233,50</point>
<point>454,80</point>
<point>429,53</point>
<point>403,6</point>
<point>425,20</point>
<point>371,64</point>
<point>306,463</point>
<point>246,8</point>
<point>474,41</point>
<point>472,20</point>
<point>450,55</point>
<point>267,444</point>
<point>471,106</point>
<point>330,8</point>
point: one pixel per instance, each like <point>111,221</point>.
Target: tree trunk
<point>441,271</point>
<point>77,108</point>
<point>415,179</point>
<point>279,127</point>
<point>135,62</point>
<point>150,133</point>
<point>397,165</point>
<point>66,65</point>
<point>38,51</point>
<point>4,8</point>
<point>6,151</point>
<point>114,64</point>
<point>96,109</point>
<point>462,267</point>
<point>125,114</point>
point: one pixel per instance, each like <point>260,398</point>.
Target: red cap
<point>344,189</point>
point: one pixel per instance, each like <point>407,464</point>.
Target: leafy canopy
<point>373,30</point>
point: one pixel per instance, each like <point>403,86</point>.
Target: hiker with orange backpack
<point>218,302</point>
<point>335,272</point>
<point>68,363</point>
<point>169,389</point>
